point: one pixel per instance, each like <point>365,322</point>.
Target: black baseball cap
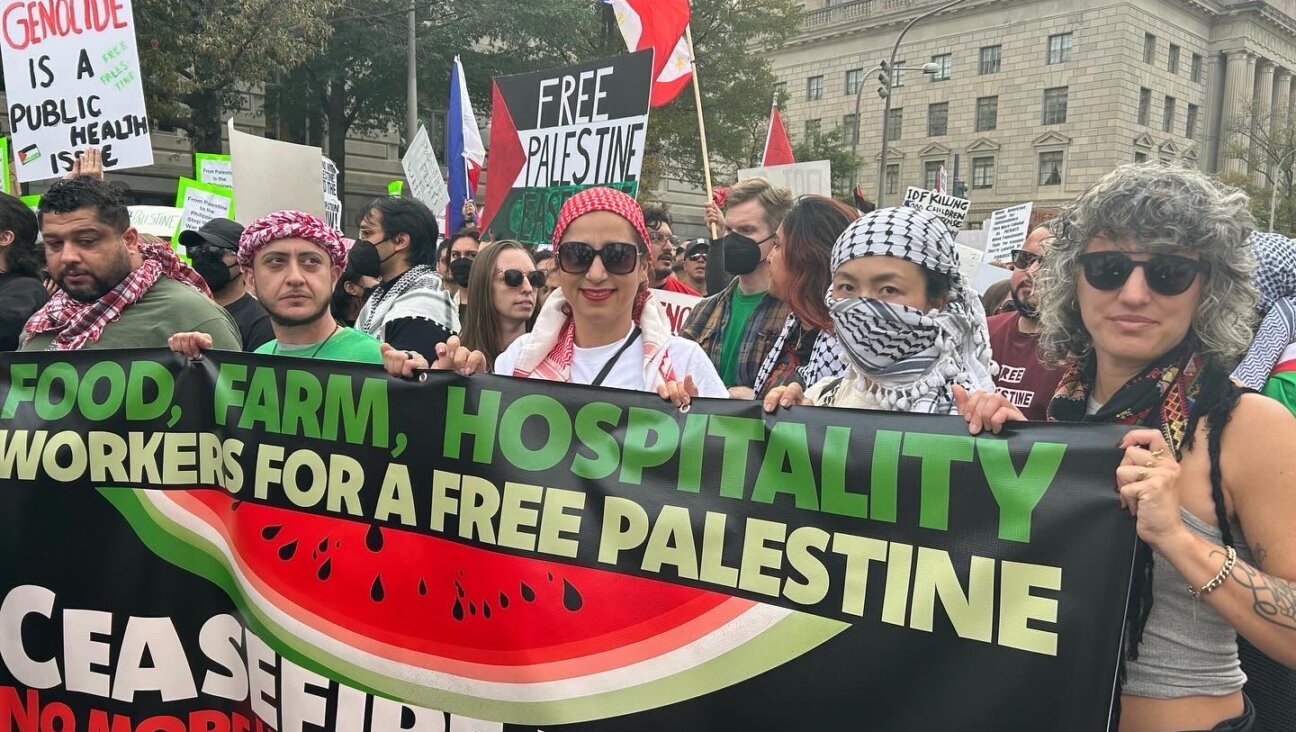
<point>699,246</point>
<point>220,233</point>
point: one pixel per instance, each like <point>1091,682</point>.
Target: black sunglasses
<point>699,257</point>
<point>1022,259</point>
<point>513,277</point>
<point>1166,274</point>
<point>619,257</point>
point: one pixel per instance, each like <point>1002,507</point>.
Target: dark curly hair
<point>67,196</point>
<point>25,256</point>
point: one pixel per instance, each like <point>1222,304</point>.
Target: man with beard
<point>1023,378</point>
<point>114,292</point>
<point>213,249</point>
<point>292,260</point>
<point>661,244</point>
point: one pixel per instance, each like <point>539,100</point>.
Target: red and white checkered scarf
<point>80,323</point>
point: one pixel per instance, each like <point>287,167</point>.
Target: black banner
<point>251,542</point>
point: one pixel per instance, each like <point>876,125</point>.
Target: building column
<point>1238,92</point>
<point>1263,98</point>
<point>1208,150</point>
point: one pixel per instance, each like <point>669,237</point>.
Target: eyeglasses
<point>657,236</point>
<point>1166,274</point>
<point>619,257</point>
<point>1022,259</point>
<point>513,277</point>
<point>700,257</point>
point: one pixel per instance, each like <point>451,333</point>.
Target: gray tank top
<point>1187,648</point>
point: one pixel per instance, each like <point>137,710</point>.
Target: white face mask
<point>884,339</point>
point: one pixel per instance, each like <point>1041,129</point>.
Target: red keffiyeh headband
<point>600,199</point>
<point>289,225</point>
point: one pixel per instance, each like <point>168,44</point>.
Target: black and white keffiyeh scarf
<point>1275,277</point>
<point>825,356</point>
<point>418,293</point>
<point>909,359</point>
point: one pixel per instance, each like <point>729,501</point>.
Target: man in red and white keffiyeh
<point>104,272</point>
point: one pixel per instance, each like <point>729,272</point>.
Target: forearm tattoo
<point>1273,598</point>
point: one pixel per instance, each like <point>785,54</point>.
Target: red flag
<point>659,25</point>
<point>778,148</point>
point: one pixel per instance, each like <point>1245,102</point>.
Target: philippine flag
<point>465,153</point>
<point>659,25</point>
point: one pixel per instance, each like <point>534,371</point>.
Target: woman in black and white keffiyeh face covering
<point>909,326</point>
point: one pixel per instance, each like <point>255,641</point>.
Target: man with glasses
<point>695,261</point>
<point>661,245</point>
<point>1023,378</point>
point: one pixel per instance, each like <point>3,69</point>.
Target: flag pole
<point>697,101</point>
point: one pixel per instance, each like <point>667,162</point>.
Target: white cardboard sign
<point>270,175</point>
<point>1006,230</point>
<point>424,173</point>
<point>677,306</point>
<point>803,178</point>
<point>952,209</point>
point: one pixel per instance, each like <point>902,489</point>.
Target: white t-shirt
<point>687,359</point>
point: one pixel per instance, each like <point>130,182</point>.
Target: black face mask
<point>741,254</point>
<point>460,269</point>
<point>214,272</point>
<point>363,259</point>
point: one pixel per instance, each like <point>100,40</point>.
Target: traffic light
<point>884,79</point>
<point>960,189</point>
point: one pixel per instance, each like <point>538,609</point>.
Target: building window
<point>850,128</point>
<point>897,74</point>
<point>780,90</point>
<point>931,172</point>
<point>1140,157</point>
<point>945,62</point>
<point>1195,71</point>
<point>987,114</point>
<point>814,88</point>
<point>894,124</point>
<point>1149,48</point>
<point>991,58</point>
<point>812,129</point>
<point>1173,64</point>
<point>1055,105</point>
<point>1145,106</point>
<point>1190,127</point>
<point>983,173</point>
<point>893,178</point>
<point>937,119</point>
<point>854,81</point>
<point>1168,113</point>
<point>1050,168</point>
<point>1059,48</point>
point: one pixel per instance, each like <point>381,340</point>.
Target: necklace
<point>336,329</point>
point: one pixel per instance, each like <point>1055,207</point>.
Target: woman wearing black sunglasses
<point>601,327</point>
<point>502,288</point>
<point>1147,288</point>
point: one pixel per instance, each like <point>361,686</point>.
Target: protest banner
<point>677,306</point>
<point>194,544</point>
<point>424,173</point>
<point>332,196</point>
<point>72,80</point>
<point>160,221</point>
<point>952,209</point>
<point>802,178</point>
<point>200,203</point>
<point>271,175</point>
<point>554,133</point>
<point>213,169</point>
<point>1006,230</point>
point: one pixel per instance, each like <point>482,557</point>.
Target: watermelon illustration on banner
<point>557,132</point>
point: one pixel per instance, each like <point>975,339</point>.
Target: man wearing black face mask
<point>738,326</point>
<point>213,248</point>
<point>457,254</point>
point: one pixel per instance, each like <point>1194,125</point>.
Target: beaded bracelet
<point>1230,559</point>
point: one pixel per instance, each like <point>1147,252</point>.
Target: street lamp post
<point>855,134</point>
<point>886,112</point>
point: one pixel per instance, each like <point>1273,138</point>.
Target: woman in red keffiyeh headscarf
<point>602,327</point>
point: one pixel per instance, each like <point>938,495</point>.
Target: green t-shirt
<point>740,311</point>
<point>347,344</point>
<point>169,307</point>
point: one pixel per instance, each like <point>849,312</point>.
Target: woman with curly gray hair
<point>1147,292</point>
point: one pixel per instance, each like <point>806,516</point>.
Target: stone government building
<point>1038,98</point>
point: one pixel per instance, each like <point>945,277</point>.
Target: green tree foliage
<point>200,57</point>
<point>833,147</point>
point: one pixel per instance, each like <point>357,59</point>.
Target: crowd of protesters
<point>1149,301</point>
